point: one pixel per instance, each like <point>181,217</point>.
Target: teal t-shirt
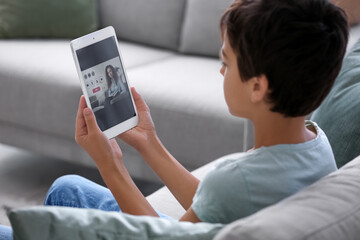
<point>244,183</point>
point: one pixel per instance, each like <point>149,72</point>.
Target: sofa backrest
<point>152,22</point>
<point>339,114</point>
<point>201,27</point>
<point>187,26</point>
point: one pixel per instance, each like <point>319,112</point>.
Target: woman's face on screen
<point>109,72</point>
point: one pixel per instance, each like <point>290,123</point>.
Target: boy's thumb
<point>89,119</point>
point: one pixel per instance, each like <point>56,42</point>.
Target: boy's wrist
<point>110,167</point>
<point>150,141</point>
<point>109,160</point>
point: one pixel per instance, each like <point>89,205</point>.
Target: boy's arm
<point>143,138</point>
<point>126,193</point>
<point>190,216</point>
<point>108,157</point>
<point>181,183</point>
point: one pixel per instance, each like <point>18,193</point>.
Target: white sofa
<point>170,50</point>
<point>37,75</point>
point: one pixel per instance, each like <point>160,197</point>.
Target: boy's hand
<point>142,133</point>
<point>89,136</point>
<point>108,157</point>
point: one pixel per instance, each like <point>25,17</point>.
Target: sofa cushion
<point>328,209</point>
<point>44,83</point>
<point>41,90</point>
<point>339,114</point>
<point>152,22</point>
<point>40,223</point>
<point>43,18</point>
<point>200,32</point>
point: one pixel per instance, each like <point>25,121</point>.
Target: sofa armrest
<point>163,201</point>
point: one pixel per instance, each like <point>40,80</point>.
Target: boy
<point>280,59</point>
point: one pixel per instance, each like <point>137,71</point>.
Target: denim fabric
<point>5,233</point>
<point>76,191</point>
<point>79,192</point>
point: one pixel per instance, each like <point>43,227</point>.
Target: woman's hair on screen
<point>114,72</point>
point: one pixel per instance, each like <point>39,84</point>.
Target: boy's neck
<point>274,129</point>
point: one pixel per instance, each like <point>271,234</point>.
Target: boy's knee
<point>63,188</point>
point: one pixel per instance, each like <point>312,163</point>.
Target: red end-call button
<point>95,90</point>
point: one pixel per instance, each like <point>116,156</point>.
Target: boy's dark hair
<point>297,44</point>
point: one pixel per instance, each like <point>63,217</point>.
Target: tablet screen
<point>105,81</point>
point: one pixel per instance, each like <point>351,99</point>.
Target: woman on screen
<point>115,85</point>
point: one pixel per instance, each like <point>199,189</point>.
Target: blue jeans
<point>5,233</point>
<point>78,192</point>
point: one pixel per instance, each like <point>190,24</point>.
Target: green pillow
<point>339,114</point>
<point>47,18</point>
<point>55,223</point>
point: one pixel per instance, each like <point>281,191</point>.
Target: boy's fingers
<point>80,121</point>
<point>90,119</point>
<point>139,101</point>
<point>82,105</point>
<point>135,94</point>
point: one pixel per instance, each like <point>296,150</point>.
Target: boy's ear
<point>259,88</point>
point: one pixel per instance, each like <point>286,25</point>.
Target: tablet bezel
<point>88,40</point>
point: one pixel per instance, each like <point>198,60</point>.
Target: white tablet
<point>104,82</point>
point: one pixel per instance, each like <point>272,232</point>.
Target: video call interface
<point>105,83</point>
